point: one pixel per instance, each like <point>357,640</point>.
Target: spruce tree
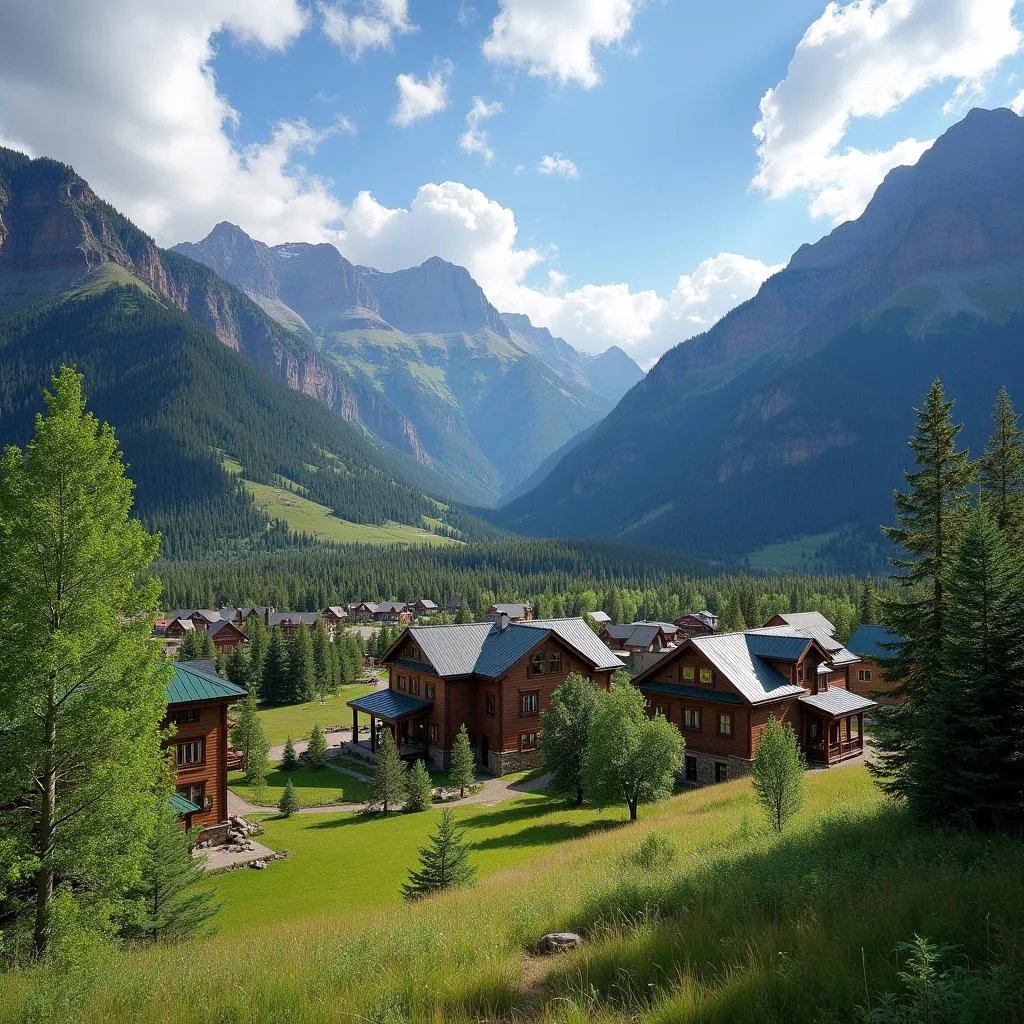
<point>929,523</point>
<point>1001,468</point>
<point>191,648</point>
<point>444,862</point>
<point>867,608</point>
<point>316,747</point>
<point>420,786</point>
<point>565,726</point>
<point>289,759</point>
<point>170,901</point>
<point>248,737</point>
<point>462,767</point>
<point>778,773</point>
<point>464,614</point>
<point>274,684</point>
<point>301,676</point>
<point>237,668</point>
<point>259,638</point>
<point>733,620</point>
<point>390,785</point>
<point>323,675</point>
<point>289,802</point>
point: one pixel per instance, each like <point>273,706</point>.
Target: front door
<point>484,751</point>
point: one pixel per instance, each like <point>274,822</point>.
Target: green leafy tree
<point>274,683</point>
<point>421,788</point>
<point>289,802</point>
<point>867,609</point>
<point>630,758</point>
<point>1001,468</point>
<point>390,784</point>
<point>462,766</point>
<point>929,524</point>
<point>564,730</point>
<point>316,747</point>
<point>82,687</point>
<point>778,773</point>
<point>300,675</point>
<point>171,901</point>
<point>248,737</point>
<point>444,862</point>
<point>289,759</point>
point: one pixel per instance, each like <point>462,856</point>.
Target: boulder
<point>559,942</point>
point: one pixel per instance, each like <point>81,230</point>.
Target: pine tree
<point>289,802</point>
<point>323,681</point>
<point>390,784</point>
<point>778,773</point>
<point>191,648</point>
<point>82,686</point>
<point>316,747</point>
<point>207,650</point>
<point>274,684</point>
<point>733,620</point>
<point>444,863</point>
<point>1001,468</point>
<point>237,668</point>
<point>421,788</point>
<point>170,901</point>
<point>289,759</point>
<point>248,737</point>
<point>564,730</point>
<point>259,638</point>
<point>929,516</point>
<point>867,609</point>
<point>462,768</point>
<point>464,614</point>
<point>301,677</point>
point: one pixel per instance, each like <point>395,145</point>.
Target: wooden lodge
<point>720,690</point>
<point>197,707</point>
<point>696,624</point>
<point>495,678</point>
<point>518,611</point>
<point>870,644</point>
<point>225,635</point>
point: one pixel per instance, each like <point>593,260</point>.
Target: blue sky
<point>661,209</point>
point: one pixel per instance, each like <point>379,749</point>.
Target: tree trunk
<point>46,839</point>
<point>632,809</point>
<point>579,796</point>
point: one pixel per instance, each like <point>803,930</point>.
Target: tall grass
<point>736,926</point>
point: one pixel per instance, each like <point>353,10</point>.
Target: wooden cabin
<point>696,624</point>
<point>226,635</point>
<point>518,611</point>
<point>392,612</point>
<point>721,690</point>
<point>332,616</point>
<point>870,644</point>
<point>496,678</point>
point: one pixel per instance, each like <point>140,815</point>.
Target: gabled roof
<point>452,650</point>
<point>391,606</point>
<point>296,618</point>
<point>425,602</point>
<point>837,702</point>
<point>338,610</point>
<point>219,627</point>
<point>183,623</point>
<point>600,617</point>
<point>755,679</point>
<point>867,641</point>
<point>837,653</point>
<point>786,647</point>
<point>389,704</point>
<point>189,685</point>
<point>517,610</point>
<point>808,620</point>
<point>207,665</point>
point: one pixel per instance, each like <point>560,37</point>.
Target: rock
<point>257,865</point>
<point>559,942</point>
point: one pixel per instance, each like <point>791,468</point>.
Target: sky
<point>622,171</point>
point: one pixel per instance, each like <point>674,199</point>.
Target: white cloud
<point>556,38</point>
<point>422,97</point>
<point>1017,103</point>
<point>555,163</point>
<point>865,59</point>
<point>474,139</point>
<point>365,24</point>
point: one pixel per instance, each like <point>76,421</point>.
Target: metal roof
<point>516,610</point>
<point>838,654</point>
<point>694,692</point>
<point>600,617</point>
<point>867,641</point>
<point>837,702</point>
<point>389,704</point>
<point>777,646</point>
<point>756,680</point>
<point>296,618</point>
<point>452,650</point>
<point>218,627</point>
<point>184,806</point>
<point>189,685</point>
<point>578,635</point>
<point>808,620</point>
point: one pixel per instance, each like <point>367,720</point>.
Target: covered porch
<point>403,716</point>
<point>833,725</point>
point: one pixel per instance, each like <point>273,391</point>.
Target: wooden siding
<point>212,773</point>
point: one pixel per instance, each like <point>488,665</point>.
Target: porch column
<point>355,726</point>
<point>373,735</point>
<point>860,730</point>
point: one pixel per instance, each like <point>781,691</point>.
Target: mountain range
<point>788,419</point>
<point>428,363</point>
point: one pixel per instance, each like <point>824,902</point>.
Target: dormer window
<point>537,664</point>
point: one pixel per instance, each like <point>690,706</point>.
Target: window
<point>528,702</point>
<point>433,732</point>
<point>854,727</point>
<point>188,715</point>
<point>414,686</point>
<point>686,672</point>
<point>691,718</point>
<point>192,792</point>
<point>555,665</point>
<point>864,675</point>
<point>527,741</point>
<point>401,682</point>
<point>812,731</point>
<point>690,768</point>
<point>822,684</point>
<point>721,771</point>
<point>725,725</point>
<point>190,753</point>
<point>537,664</point>
<point>490,703</point>
<point>661,709</point>
<point>800,672</point>
<point>429,691</point>
<point>705,675</point>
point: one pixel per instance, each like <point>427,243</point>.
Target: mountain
<point>431,366</point>
<point>788,418</point>
<point>200,383</point>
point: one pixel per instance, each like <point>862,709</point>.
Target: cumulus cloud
<point>1017,103</point>
<point>556,38</point>
<point>419,98</point>
<point>466,227</point>
<point>555,163</point>
<point>474,139</point>
<point>865,59</point>
<point>365,24</point>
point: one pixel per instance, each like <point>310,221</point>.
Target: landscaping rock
<point>559,942</point>
<point>258,865</point>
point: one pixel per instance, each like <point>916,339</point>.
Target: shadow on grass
<point>542,835</point>
<point>346,818</point>
<point>508,814</point>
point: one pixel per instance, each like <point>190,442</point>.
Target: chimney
<point>502,622</point>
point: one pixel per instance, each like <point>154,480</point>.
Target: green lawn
<point>316,787</point>
<point>344,862</point>
<point>295,720</point>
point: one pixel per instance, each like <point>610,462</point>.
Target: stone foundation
<point>735,767</point>
<point>215,834</point>
<point>504,762</point>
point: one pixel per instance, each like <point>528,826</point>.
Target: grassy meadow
<point>316,787</point>
<point>295,720</point>
<point>719,921</point>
